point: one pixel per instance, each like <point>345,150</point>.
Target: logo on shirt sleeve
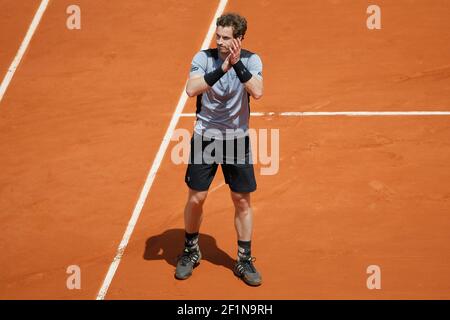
<point>194,68</point>
<point>260,73</point>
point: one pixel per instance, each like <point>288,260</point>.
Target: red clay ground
<point>15,17</point>
<point>86,112</point>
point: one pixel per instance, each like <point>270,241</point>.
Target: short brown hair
<point>234,20</point>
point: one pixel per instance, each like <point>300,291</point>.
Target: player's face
<point>224,37</point>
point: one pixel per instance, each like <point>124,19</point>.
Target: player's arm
<point>196,85</point>
<point>200,81</point>
<point>253,83</point>
<point>254,86</point>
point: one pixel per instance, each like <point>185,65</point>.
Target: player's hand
<point>235,50</point>
<point>226,65</point>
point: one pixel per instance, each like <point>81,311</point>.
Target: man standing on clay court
<point>223,79</point>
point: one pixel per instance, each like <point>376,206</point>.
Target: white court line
<point>23,47</point>
<point>217,187</point>
<point>155,166</point>
<point>366,113</point>
<point>342,113</point>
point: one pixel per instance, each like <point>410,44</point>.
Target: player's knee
<point>197,198</point>
<point>242,206</point>
<point>241,201</point>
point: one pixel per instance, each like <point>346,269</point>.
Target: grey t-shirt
<point>225,107</point>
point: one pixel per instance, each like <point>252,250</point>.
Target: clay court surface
<point>87,110</point>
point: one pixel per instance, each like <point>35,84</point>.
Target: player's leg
<point>198,178</point>
<point>240,177</point>
<point>243,221</point>
<point>243,215</point>
<point>193,215</point>
<point>193,210</point>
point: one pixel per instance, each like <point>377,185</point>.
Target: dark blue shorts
<point>234,156</point>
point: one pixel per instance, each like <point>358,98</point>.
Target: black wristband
<point>212,77</point>
<point>242,72</point>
